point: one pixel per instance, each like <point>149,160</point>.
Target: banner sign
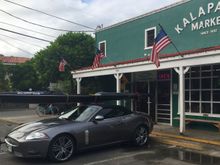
<point>196,22</point>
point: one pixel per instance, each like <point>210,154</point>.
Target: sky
<point>89,13</point>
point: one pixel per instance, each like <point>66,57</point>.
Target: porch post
<point>78,87</point>
<point>132,91</point>
<point>118,77</point>
<point>182,99</point>
<point>181,104</point>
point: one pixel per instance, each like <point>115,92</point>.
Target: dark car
<point>81,128</point>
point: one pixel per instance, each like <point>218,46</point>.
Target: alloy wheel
<point>62,148</point>
<point>141,136</point>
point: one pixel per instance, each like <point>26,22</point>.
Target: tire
<point>141,136</point>
<point>61,148</point>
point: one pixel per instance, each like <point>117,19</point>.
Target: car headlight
<point>36,135</point>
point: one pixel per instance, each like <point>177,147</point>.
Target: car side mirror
<point>99,118</point>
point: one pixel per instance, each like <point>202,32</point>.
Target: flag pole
<point>172,42</point>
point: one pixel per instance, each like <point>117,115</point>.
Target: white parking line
<point>119,157</point>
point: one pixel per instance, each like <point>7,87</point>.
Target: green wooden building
<point>186,86</point>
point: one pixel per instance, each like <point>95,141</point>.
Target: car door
<point>124,120</point>
<point>107,130</point>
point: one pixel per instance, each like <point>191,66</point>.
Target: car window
<point>122,110</point>
<point>113,112</point>
<point>107,113</point>
<point>81,113</point>
<point>87,113</point>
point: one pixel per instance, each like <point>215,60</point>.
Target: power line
<point>22,41</point>
<point>36,24</point>
<point>25,35</point>
<point>27,29</point>
<point>50,15</point>
<point>16,47</point>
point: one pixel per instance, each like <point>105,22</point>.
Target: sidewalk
<point>209,137</point>
<point>205,142</point>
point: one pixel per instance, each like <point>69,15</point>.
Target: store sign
<point>193,19</point>
<point>164,76</point>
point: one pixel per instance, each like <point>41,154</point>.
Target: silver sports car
<point>81,128</point>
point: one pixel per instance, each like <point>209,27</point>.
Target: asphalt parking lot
<point>124,154</point>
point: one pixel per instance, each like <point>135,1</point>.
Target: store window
<point>202,92</point>
<point>149,37</point>
<point>216,108</point>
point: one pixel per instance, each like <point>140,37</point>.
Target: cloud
<point>87,12</point>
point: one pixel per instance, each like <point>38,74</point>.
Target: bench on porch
<point>212,122</point>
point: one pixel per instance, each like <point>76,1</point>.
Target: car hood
<point>27,128</point>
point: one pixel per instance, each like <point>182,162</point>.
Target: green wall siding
<point>126,41</point>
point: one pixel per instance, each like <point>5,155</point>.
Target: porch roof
<point>186,58</point>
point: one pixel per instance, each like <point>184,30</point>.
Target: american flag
<point>62,65</point>
<point>96,62</point>
<point>161,41</point>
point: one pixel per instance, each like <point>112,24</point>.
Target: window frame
<point>200,90</point>
<point>99,44</point>
<point>146,47</point>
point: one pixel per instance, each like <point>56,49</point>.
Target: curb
<point>178,143</point>
<point>198,140</point>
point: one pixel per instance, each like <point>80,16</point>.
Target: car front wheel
<point>141,136</point>
<point>61,148</point>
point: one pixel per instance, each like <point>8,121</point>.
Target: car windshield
<point>80,113</point>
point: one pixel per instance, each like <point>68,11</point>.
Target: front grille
<point>12,141</point>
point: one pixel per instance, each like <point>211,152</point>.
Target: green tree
<point>76,48</point>
<point>2,71</point>
<point>23,77</point>
<point>4,78</point>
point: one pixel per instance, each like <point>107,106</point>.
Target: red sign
<point>164,76</point>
